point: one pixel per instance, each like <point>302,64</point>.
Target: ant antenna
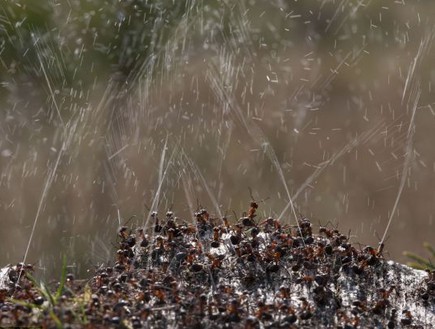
<point>128,220</point>
<point>252,196</point>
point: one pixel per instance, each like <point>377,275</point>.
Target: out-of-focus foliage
<point>421,263</point>
<point>80,43</point>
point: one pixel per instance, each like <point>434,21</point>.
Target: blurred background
<point>109,110</point>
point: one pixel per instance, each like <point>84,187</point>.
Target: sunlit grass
<point>420,262</point>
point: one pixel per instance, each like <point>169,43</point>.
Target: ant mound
<point>254,274</point>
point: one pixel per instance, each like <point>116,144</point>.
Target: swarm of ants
<point>253,273</point>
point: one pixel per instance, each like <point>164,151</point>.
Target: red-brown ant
<point>407,318</point>
<point>122,232</point>
<point>252,209</point>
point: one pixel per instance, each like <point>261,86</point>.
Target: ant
<point>306,309</point>
<point>253,207</point>
<point>157,226</point>
<point>122,232</point>
<point>271,224</point>
<point>308,279</point>
<point>263,311</point>
<point>169,214</point>
<point>248,221</point>
<point>216,236</point>
<point>237,237</point>
<point>407,318</point>
<point>226,223</point>
<point>329,233</point>
<point>233,311</point>
<point>333,234</point>
<point>284,292</point>
<point>383,302</point>
<point>143,238</point>
<point>159,294</point>
<point>202,216</point>
<point>304,228</point>
<point>216,261</point>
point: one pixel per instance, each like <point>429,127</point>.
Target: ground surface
<point>252,274</point>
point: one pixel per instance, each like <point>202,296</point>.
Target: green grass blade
<point>423,263</point>
<point>430,248</point>
<point>42,288</point>
<point>56,319</point>
<point>416,265</point>
<point>59,290</point>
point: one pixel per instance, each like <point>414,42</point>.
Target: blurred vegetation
<point>421,263</point>
<point>81,43</point>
